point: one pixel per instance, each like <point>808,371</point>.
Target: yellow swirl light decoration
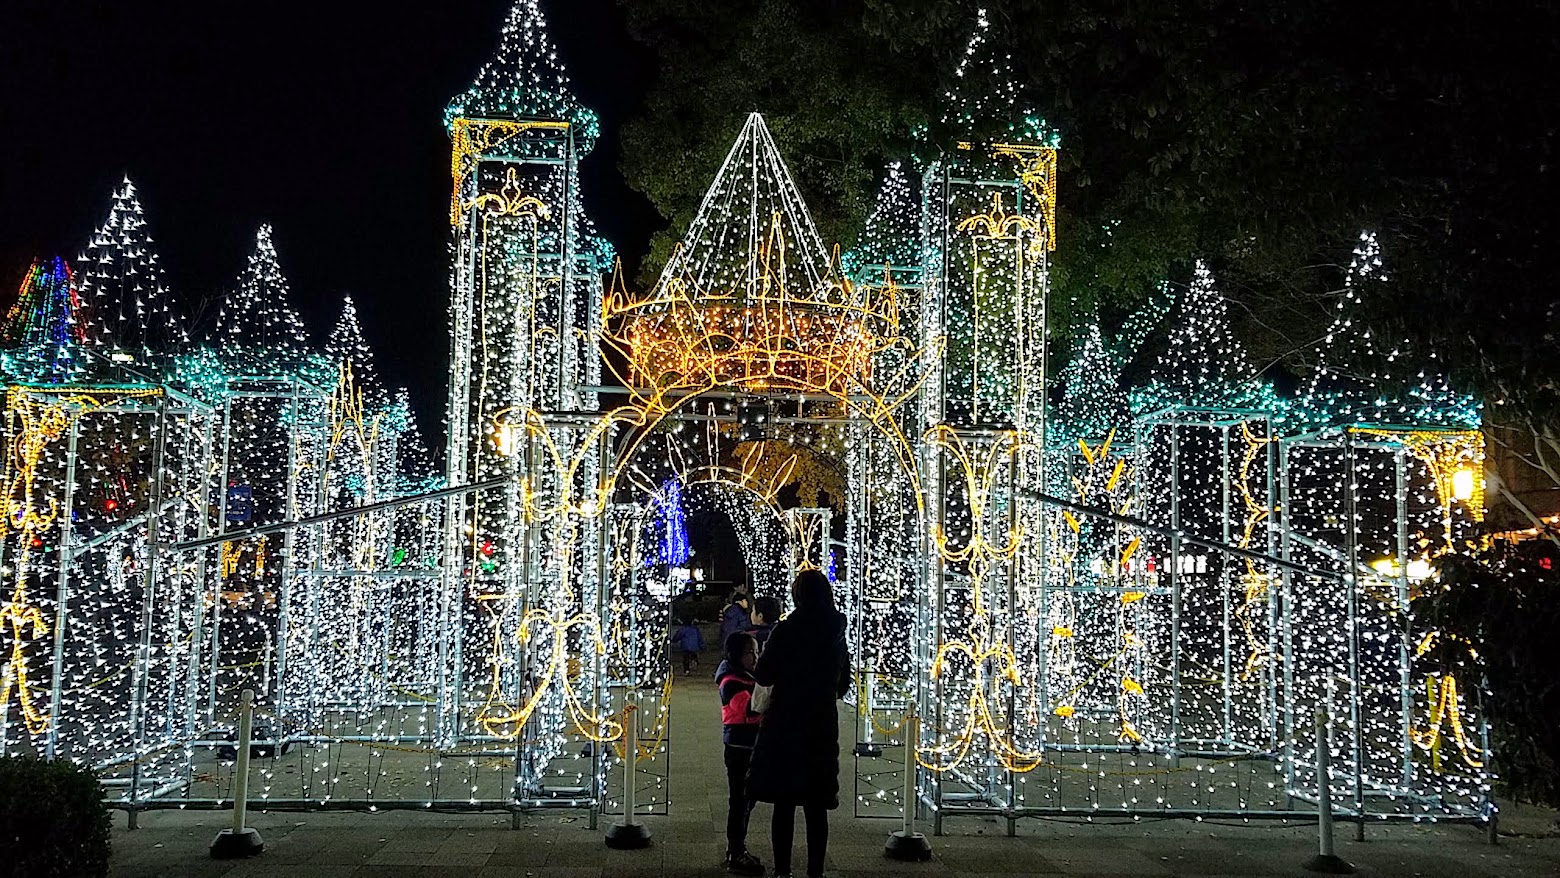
<point>1442,703</point>
<point>978,475</point>
<point>506,720</point>
<point>1255,584</point>
<point>473,138</point>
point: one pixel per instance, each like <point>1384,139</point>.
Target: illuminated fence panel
<point>1377,503</point>
<point>101,651</point>
<point>1208,475</point>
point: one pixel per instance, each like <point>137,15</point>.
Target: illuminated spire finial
<point>525,79</point>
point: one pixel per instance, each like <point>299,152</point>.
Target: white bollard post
<point>629,834</point>
<point>906,843</point>
<point>1326,859</point>
<point>240,840</point>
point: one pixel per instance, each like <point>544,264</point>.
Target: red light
<point>110,504</point>
<point>1546,563</point>
<point>487,547</point>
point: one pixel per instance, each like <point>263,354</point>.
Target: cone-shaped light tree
<point>1205,365</point>
<point>347,350</point>
<point>125,301</point>
<point>1361,377</point>
<point>257,319</point>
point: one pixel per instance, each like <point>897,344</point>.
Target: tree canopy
<point>1260,136</point>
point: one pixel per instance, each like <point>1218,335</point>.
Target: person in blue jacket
<point>734,616</point>
<point>689,640</point>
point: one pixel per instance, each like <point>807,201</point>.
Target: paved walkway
<point>689,842</point>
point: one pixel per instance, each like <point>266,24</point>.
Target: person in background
<point>766,612</point>
<point>734,616</point>
<point>734,679</point>
<point>689,640</point>
<point>796,758</point>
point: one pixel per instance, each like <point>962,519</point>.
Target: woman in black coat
<point>796,760</point>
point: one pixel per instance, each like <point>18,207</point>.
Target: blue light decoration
<point>668,527</point>
<point>43,332</point>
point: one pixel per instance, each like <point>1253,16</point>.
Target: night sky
<point>321,118</point>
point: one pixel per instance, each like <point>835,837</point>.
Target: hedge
<point>53,821</point>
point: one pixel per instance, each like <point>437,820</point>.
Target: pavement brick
<point>689,840</point>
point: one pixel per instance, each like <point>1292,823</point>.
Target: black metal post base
<point>628,836</point>
<point>1328,864</point>
<point>907,848</point>
<point>230,845</point>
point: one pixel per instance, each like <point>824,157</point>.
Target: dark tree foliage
<point>1504,600</point>
<point>1262,136</point>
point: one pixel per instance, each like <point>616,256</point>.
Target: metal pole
<point>246,727</point>
<point>216,586</point>
<point>629,833</point>
<point>527,587</point>
<point>62,592</point>
<point>1352,625</point>
<point>239,840</point>
<point>1270,673</point>
<point>906,843</point>
<point>143,666</point>
<point>1175,595</point>
<point>284,602</point>
<point>1326,860</point>
<point>197,602</point>
<point>938,601</point>
<point>630,757</point>
<point>1288,614</point>
<point>603,573</point>
<point>1225,583</point>
<point>1405,692</point>
<point>1010,776</point>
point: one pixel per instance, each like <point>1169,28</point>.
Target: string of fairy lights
<point>1097,597</point>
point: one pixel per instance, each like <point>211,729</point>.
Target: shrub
<point>1504,603</point>
<point>53,821</point>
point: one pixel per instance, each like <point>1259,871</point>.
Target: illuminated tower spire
<point>1205,365</point>
<point>525,80</point>
<point>525,291</point>
<point>1363,378</point>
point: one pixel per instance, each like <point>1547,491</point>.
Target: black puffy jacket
<point>796,760</point>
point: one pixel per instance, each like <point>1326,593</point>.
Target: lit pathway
<point>558,845</point>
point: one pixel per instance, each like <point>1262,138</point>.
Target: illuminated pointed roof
<point>1364,378</point>
<point>752,237</point>
<point>984,96</point>
<point>525,79</point>
<point>892,237</point>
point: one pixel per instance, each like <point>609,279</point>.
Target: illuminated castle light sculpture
<point>1130,604</point>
